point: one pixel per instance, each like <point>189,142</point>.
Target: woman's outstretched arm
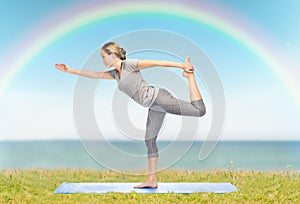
<point>187,66</point>
<point>85,73</point>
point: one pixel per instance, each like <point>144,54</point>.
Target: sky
<point>38,101</point>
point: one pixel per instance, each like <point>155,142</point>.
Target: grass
<point>37,186</point>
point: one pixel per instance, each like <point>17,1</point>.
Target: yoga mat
<point>70,188</point>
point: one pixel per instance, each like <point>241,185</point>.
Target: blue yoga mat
<point>70,188</point>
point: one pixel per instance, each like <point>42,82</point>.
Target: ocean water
<point>229,155</point>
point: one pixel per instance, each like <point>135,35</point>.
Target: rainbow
<point>84,14</point>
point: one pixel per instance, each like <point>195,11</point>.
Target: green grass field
<point>37,186</point>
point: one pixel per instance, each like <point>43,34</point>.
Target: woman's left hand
<point>187,66</point>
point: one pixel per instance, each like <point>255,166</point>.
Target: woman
<point>159,100</point>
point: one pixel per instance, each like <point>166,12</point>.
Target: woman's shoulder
<point>130,63</point>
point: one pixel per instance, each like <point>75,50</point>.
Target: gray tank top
<point>131,82</point>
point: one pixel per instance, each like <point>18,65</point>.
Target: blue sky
<point>38,104</point>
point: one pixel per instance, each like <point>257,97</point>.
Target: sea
<point>128,155</point>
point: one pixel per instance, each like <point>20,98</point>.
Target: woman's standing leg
<point>154,122</point>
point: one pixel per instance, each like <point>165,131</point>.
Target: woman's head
<point>111,52</point>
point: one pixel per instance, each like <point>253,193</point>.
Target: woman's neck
<point>118,64</point>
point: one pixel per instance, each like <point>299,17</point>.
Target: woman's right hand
<point>62,67</point>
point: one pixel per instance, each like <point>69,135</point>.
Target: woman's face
<point>108,60</point>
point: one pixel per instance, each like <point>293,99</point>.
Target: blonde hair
<point>112,47</point>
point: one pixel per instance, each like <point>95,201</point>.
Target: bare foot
<point>187,74</point>
<point>147,184</point>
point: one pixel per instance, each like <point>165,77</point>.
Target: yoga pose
<point>159,100</point>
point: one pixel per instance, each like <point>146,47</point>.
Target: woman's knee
<point>201,109</point>
<point>152,149</point>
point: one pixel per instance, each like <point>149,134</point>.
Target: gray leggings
<point>167,103</point>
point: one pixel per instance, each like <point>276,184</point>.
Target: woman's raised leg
<point>194,91</point>
<point>165,101</point>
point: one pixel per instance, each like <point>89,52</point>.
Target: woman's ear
<point>113,55</point>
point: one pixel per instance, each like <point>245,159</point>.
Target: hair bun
<point>122,53</point>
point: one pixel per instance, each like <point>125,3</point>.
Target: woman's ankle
<point>152,178</point>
